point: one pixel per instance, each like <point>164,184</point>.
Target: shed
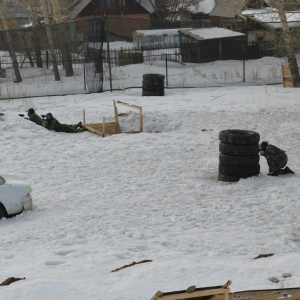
<point>156,39</point>
<point>211,44</point>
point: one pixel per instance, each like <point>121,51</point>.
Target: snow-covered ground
<point>102,203</point>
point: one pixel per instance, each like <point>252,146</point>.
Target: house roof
<point>147,5</point>
<point>72,8</point>
<point>210,33</point>
<point>204,7</point>
<point>270,17</point>
<point>228,8</point>
<point>158,32</point>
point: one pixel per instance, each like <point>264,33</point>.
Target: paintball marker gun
<point>23,116</point>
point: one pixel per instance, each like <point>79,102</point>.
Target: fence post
<point>47,59</point>
<point>84,76</point>
<point>244,76</point>
<point>108,53</point>
<point>167,70</point>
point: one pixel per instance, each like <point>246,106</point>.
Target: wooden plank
<point>116,116</point>
<point>141,121</point>
<point>107,128</point>
<point>90,129</point>
<point>129,105</point>
<point>291,294</point>
<point>139,108</point>
<point>183,296</point>
<point>287,76</point>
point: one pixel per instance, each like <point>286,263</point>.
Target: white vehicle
<point>15,196</point>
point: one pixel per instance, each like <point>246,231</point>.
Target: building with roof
<point>211,44</point>
<point>123,17</point>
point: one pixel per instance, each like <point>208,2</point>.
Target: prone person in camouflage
<point>276,159</point>
<point>32,116</point>
<point>52,124</point>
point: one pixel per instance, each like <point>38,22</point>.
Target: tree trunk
<point>10,46</point>
<point>35,36</point>
<point>63,39</point>
<point>50,40</point>
<point>289,46</point>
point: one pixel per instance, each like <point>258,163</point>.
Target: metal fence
<point>123,68</point>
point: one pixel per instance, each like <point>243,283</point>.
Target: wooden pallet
<point>109,128</point>
<point>196,293</point>
<point>223,293</point>
<point>275,294</point>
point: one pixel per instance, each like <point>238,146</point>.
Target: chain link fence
<point>100,66</point>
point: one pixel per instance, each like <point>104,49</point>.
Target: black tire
<point>222,177</point>
<point>150,88</point>
<point>3,213</point>
<point>154,82</point>
<point>243,161</point>
<point>147,93</point>
<point>239,150</point>
<point>239,137</point>
<point>152,76</point>
<point>242,172</point>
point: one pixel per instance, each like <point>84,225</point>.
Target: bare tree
<point>50,39</point>
<point>32,8</point>
<point>9,41</point>
<point>64,39</point>
<point>288,41</point>
<point>171,10</point>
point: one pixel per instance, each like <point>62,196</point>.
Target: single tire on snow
<point>242,161</point>
<point>242,172</point>
<point>239,150</point>
<point>239,137</point>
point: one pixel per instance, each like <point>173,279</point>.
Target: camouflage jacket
<point>273,150</point>
<point>36,119</point>
<point>56,126</point>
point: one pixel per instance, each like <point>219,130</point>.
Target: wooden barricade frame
<point>287,76</point>
<point>108,128</point>
<point>222,293</point>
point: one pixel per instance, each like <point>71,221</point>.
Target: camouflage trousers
<point>276,162</point>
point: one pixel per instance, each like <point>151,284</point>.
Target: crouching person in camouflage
<point>276,159</point>
<point>52,124</point>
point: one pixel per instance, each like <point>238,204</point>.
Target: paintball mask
<point>49,116</point>
<point>263,145</point>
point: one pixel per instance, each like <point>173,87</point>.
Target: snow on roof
<point>210,33</point>
<point>147,5</point>
<point>228,8</point>
<point>158,32</point>
<point>271,18</point>
<point>204,6</point>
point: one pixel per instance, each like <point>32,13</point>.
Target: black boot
<point>287,170</point>
<point>273,173</point>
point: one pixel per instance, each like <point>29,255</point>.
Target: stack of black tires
<point>153,85</point>
<point>239,154</point>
